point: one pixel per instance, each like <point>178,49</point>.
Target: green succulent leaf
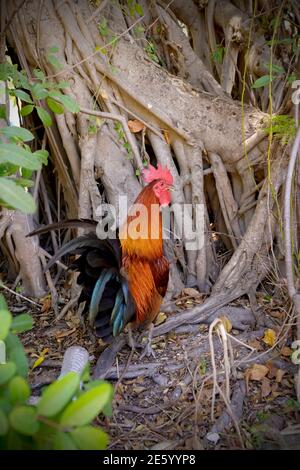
<point>5,322</point>
<point>58,394</point>
<point>21,323</point>
<point>19,390</point>
<point>89,438</point>
<point>7,371</point>
<point>83,410</point>
<point>23,420</point>
<point>3,423</point>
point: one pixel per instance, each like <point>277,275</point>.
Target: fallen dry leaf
<point>254,343</point>
<point>136,126</point>
<point>286,351</point>
<point>269,337</point>
<point>257,372</point>
<point>46,304</point>
<point>265,387</point>
<point>190,291</point>
<point>277,314</point>
<point>279,374</point>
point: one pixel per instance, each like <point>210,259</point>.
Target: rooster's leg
<point>148,351</point>
<point>131,342</point>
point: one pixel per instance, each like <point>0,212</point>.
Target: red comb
<point>151,173</point>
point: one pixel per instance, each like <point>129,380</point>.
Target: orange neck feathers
<point>141,235</point>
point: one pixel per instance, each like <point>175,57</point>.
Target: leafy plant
<point>151,50</point>
<point>283,126</point>
<point>61,419</point>
<point>218,54</point>
<point>121,135</point>
<point>17,161</point>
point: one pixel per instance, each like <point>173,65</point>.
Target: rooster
<point>125,279</point>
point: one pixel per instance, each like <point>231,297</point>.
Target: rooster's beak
<point>171,187</point>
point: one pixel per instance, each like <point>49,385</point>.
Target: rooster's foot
<point>148,351</point>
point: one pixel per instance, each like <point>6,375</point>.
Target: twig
<point>69,305</point>
<point>18,295</point>
<point>122,120</point>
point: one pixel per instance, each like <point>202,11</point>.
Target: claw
<point>148,351</point>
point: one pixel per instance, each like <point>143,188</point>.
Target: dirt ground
<point>165,402</point>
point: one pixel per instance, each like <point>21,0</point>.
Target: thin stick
<point>122,120</point>
<point>18,295</point>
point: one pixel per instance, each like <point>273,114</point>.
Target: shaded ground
<point>165,403</point>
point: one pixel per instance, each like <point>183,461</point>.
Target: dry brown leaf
<point>226,322</point>
<point>190,291</point>
<point>46,304</point>
<point>265,387</point>
<point>277,314</point>
<point>136,126</point>
<point>254,343</point>
<point>269,337</point>
<point>286,351</point>
<point>279,374</point>
<point>257,372</point>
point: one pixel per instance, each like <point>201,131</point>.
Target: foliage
<point>121,135</point>
<point>17,161</point>
<point>283,126</point>
<point>61,419</point>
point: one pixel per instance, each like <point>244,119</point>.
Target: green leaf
<point>54,49</point>
<point>15,353</point>
<point>13,153</point>
<point>39,74</point>
<point>83,410</point>
<point>89,438</point>
<point>55,106</point>
<point>19,390</point>
<point>23,420</point>
<point>25,183</point>
<point>107,409</point>
<point>44,116</point>
<point>42,155</point>
<point>5,322</point>
<point>17,132</point>
<point>3,424</point>
<point>2,111</point>
<point>21,323</point>
<point>262,81</point>
<point>69,103</point>
<point>38,91</point>
<point>58,394</point>
<point>26,110</point>
<point>139,9</point>
<point>54,61</point>
<point>16,197</point>
<point>63,84</point>
<point>7,371</point>
<point>63,441</point>
<point>3,304</point>
<point>23,96</point>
